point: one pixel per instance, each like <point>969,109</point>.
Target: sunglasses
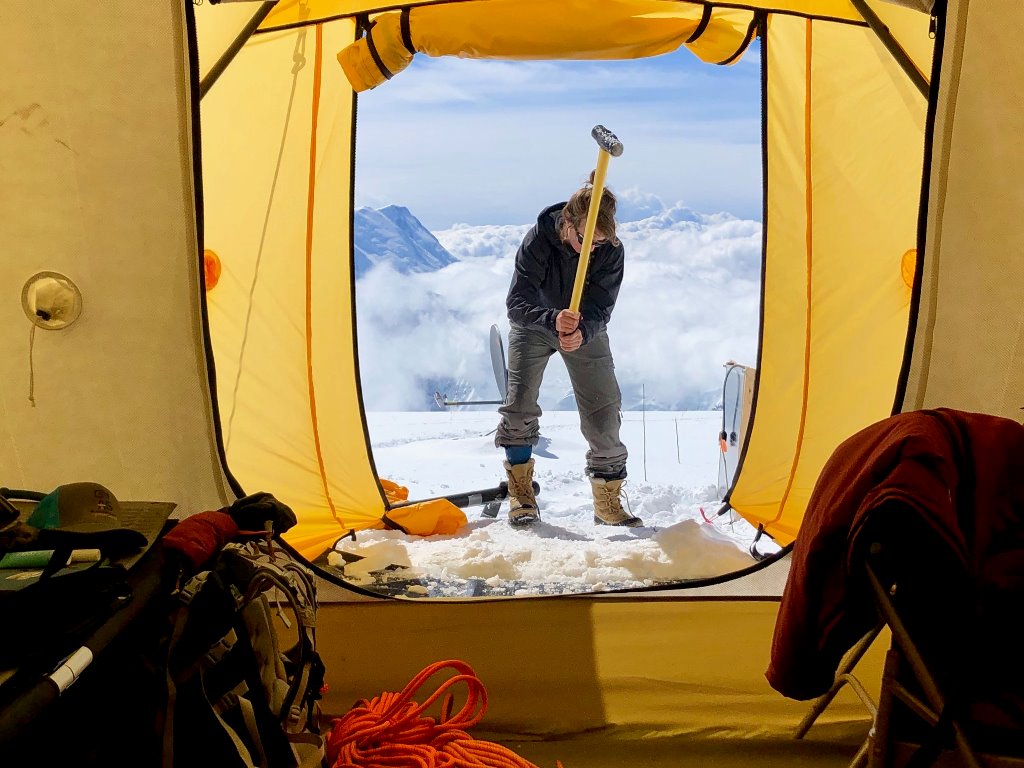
<point>597,241</point>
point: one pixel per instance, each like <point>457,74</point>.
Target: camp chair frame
<point>937,708</point>
<point>914,585</point>
<point>904,649</point>
<point>845,676</point>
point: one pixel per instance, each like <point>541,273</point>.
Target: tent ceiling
<point>542,30</point>
<point>290,13</point>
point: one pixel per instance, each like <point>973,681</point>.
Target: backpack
<point>238,692</point>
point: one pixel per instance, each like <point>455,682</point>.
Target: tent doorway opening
<point>454,161</point>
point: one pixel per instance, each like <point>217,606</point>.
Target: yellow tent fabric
<point>281,315</point>
<point>842,188</point>
<point>543,29</point>
<point>277,191</point>
<point>842,181</point>
<point>292,13</point>
<point>603,670</point>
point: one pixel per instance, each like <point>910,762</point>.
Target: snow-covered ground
<point>674,474</point>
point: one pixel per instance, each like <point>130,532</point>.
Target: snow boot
<point>608,504</point>
<point>522,503</point>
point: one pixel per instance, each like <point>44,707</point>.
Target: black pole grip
<point>607,140</point>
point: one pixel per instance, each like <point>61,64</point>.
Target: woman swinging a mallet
<point>572,243</point>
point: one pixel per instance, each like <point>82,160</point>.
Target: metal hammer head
<point>607,140</point>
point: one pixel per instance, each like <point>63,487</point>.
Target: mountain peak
<point>394,212</point>
<point>393,235</point>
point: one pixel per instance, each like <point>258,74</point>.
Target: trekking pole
<point>609,146</point>
<point>443,401</point>
<point>469,498</point>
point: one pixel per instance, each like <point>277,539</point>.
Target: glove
<point>197,538</point>
<point>252,512</point>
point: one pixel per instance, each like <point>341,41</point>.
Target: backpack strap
<point>210,617</point>
<point>276,570</point>
<point>226,671</point>
<point>185,594</point>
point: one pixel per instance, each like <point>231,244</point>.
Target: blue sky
<point>493,142</point>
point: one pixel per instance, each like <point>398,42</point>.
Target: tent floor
<point>827,745</point>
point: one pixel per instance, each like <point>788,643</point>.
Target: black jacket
<point>544,276</point>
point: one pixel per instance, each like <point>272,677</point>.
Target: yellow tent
<point>890,282</point>
<point>844,148</point>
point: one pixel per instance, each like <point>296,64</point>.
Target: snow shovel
<point>485,496</point>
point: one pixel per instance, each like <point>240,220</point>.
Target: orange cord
<point>390,731</point>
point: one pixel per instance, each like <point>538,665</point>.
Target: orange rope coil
<point>391,731</point>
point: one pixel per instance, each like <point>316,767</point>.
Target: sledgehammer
<point>609,146</point>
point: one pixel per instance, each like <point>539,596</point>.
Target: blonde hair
<point>574,214</point>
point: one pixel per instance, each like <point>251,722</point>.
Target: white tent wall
<point>968,350</point>
<point>96,163</point>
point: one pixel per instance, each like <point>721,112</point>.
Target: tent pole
<point>236,45</point>
<point>891,44</point>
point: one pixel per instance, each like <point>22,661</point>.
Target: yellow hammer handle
<point>588,236</point>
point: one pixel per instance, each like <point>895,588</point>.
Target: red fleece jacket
<point>962,473</point>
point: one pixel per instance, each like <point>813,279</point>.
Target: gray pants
<point>598,399</point>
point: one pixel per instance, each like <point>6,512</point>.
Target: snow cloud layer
<point>688,304</point>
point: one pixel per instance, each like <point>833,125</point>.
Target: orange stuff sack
<point>393,492</point>
<point>426,518</point>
